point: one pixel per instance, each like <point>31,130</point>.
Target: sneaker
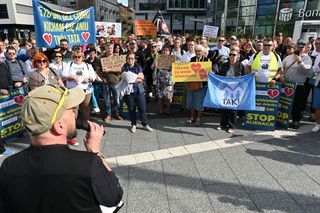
<point>148,128</point>
<point>133,128</point>
<point>230,130</point>
<point>316,128</point>
<point>190,121</point>
<point>220,127</point>
<point>96,110</point>
<point>73,142</point>
<point>198,122</point>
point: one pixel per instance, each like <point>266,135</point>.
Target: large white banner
<point>210,31</point>
<point>108,29</point>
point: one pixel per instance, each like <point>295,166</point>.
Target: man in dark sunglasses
<point>48,176</point>
<point>223,50</point>
<point>266,64</point>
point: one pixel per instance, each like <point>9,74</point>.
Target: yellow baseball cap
<point>45,105</point>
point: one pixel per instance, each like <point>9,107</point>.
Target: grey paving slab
<point>275,202</point>
<point>229,197</point>
<point>147,201</point>
<point>117,150</point>
<point>212,168</point>
<point>191,205</point>
<point>249,171</point>
<point>312,208</point>
<point>180,166</point>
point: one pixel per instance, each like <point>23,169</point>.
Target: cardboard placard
<point>165,61</point>
<point>113,63</point>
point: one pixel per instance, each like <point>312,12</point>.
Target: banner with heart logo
<point>239,96</point>
<point>287,93</point>
<point>10,107</point>
<point>267,101</point>
<point>191,71</point>
<point>51,25</point>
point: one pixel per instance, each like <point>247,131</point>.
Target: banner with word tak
<point>234,93</point>
<point>10,107</point>
<point>287,93</point>
<point>191,71</point>
<point>78,27</point>
<point>264,117</point>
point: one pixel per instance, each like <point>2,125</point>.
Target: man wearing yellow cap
<point>50,177</point>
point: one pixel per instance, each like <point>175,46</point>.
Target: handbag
<point>194,86</point>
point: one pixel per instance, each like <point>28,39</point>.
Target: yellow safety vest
<point>273,65</point>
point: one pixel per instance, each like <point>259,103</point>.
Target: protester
<point>148,70</point>
<point>67,55</point>
<point>316,93</point>
<point>79,74</point>
<point>196,90</point>
<point>266,64</point>
<point>223,50</point>
<point>117,49</point>
<point>21,53</point>
<point>18,70</point>
<point>43,74</point>
<point>58,64</point>
<point>133,48</point>
<point>247,51</point>
<point>296,69</point>
<point>135,96</point>
<point>50,177</point>
<point>97,84</point>
<point>177,50</point>
<point>259,45</point>
<point>110,80</point>
<point>164,85</point>
<point>2,52</point>
<point>30,68</point>
<point>231,68</point>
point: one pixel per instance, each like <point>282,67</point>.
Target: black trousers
<point>308,88</point>
<point>299,103</point>
<point>228,118</point>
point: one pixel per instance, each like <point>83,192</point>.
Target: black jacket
<point>238,70</point>
<point>5,77</point>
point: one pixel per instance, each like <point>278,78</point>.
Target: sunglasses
<point>131,58</point>
<point>58,56</point>
<point>232,54</point>
<point>77,57</point>
<point>221,40</point>
<point>153,46</point>
<point>267,45</point>
<point>41,61</point>
<point>11,53</point>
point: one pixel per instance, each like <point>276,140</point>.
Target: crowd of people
<point>272,60</point>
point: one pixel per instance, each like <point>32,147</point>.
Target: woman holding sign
<point>196,90</point>
<point>164,85</point>
<point>231,68</point>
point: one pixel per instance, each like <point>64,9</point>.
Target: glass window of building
<point>247,2</point>
<point>267,1</point>
<point>3,11</point>
<point>266,9</point>
<point>189,25</point>
<point>247,11</point>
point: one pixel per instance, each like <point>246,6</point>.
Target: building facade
<point>126,19</point>
<point>266,17</point>
<point>180,15</point>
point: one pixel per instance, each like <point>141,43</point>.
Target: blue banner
<point>78,27</point>
<point>10,121</point>
<point>235,93</point>
<point>287,93</point>
<point>267,100</point>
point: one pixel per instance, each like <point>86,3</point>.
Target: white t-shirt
<point>82,71</point>
<point>57,68</point>
<point>224,51</point>
<point>187,56</point>
<point>2,57</point>
<point>264,70</point>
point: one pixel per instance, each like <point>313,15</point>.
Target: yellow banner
<point>191,72</point>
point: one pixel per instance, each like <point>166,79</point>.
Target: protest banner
<point>10,107</point>
<point>113,63</point>
<point>145,28</point>
<point>264,117</point>
<point>234,93</point>
<point>108,29</point>
<point>210,31</point>
<point>165,61</point>
<point>177,99</point>
<point>287,93</point>
<point>52,25</point>
<point>191,71</point>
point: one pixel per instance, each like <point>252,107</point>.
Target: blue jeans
<point>137,100</point>
<point>95,95</point>
<point>108,90</point>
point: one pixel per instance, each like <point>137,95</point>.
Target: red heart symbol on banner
<point>85,36</point>
<point>18,99</point>
<point>203,74</point>
<point>288,91</point>
<point>48,38</point>
<point>196,67</point>
<point>273,93</point>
